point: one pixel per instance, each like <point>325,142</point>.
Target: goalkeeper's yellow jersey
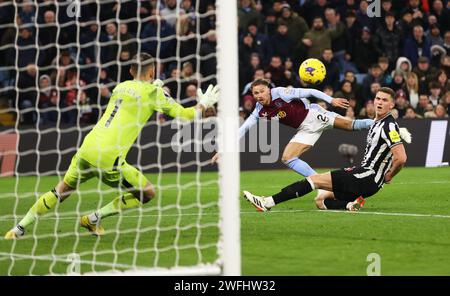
<point>130,106</point>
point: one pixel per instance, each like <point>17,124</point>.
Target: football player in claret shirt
<point>104,150</point>
<point>290,107</point>
<point>346,188</point>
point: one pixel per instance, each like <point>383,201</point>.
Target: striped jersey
<point>383,135</point>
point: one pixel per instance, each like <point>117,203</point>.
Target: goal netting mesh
<point>59,62</point>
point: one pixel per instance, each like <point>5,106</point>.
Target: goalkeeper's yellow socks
<point>120,203</point>
<point>46,202</point>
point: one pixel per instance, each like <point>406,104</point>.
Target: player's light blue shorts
<point>125,175</point>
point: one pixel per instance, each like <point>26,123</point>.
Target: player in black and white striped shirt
<point>346,188</point>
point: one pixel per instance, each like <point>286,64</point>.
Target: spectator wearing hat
<point>270,23</point>
<point>417,46</point>
<point>398,80</point>
<point>437,53</point>
<point>401,102</point>
<point>388,39</point>
<point>297,26</point>
<point>425,73</point>
<point>366,53</point>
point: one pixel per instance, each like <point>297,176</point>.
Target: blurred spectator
<point>261,43</point>
<point>319,38</point>
<point>412,88</point>
<point>424,73</point>
<point>403,66</point>
<point>383,62</point>
<point>248,14</point>
<point>417,46</point>
<point>441,111</point>
<point>442,79</point>
<point>276,70</point>
<point>283,45</point>
<point>126,39</point>
<point>332,67</point>
<point>169,12</point>
<point>296,25</point>
<point>423,104</point>
<point>398,81</point>
<point>411,113</point>
<point>190,98</point>
<point>157,33</point>
<point>27,12</point>
<point>375,75</point>
<point>368,111</point>
<point>435,93</point>
<point>365,52</point>
<point>389,38</point>
<point>401,102</point>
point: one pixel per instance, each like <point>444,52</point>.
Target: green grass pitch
<point>407,224</point>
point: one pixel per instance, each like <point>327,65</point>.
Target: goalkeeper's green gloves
<point>210,97</point>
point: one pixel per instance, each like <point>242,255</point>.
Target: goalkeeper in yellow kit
<point>105,148</point>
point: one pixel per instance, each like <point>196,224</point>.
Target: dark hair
<point>389,91</point>
<point>260,82</point>
<point>142,62</point>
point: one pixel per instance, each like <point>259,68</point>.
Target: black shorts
<point>348,187</point>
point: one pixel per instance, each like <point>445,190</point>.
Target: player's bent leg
<point>138,191</point>
<point>43,205</point>
<point>322,181</point>
<point>321,197</point>
<point>290,158</point>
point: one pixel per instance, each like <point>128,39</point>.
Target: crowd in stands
<point>58,67</point>
<point>59,63</point>
<point>405,46</point>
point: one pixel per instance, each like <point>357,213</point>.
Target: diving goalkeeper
<point>105,148</point>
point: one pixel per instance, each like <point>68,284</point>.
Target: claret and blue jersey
<point>287,104</point>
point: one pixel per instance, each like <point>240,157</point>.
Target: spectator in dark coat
<point>417,46</point>
<point>365,53</point>
<point>283,46</point>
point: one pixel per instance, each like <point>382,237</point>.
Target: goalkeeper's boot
<point>94,228</point>
<point>15,233</point>
<point>356,205</point>
<point>256,201</point>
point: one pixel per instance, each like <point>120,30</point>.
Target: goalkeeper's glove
<point>158,83</point>
<point>210,97</point>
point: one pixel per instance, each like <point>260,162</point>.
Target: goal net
<point>59,62</point>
